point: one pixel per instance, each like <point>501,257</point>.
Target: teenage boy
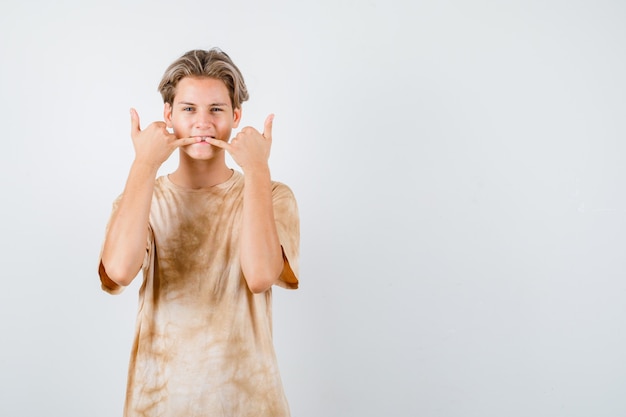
<point>211,242</point>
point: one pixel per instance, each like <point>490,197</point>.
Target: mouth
<point>204,138</point>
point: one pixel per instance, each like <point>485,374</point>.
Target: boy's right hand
<point>155,143</point>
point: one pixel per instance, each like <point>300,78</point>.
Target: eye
<point>216,109</point>
<point>187,108</point>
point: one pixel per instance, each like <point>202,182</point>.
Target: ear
<point>167,114</point>
<point>236,117</point>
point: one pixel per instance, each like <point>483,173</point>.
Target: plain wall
<point>459,168</point>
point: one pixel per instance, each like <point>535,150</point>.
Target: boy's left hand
<point>249,148</point>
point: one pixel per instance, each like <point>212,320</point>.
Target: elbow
<point>258,289</point>
<point>122,281</point>
<point>261,276</point>
<point>259,284</point>
<point>120,275</point>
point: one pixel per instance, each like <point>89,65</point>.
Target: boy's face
<point>201,108</point>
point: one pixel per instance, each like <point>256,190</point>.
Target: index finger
<point>219,143</point>
<point>185,141</point>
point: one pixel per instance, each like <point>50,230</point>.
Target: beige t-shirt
<point>203,342</point>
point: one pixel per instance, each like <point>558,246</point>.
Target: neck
<point>196,174</point>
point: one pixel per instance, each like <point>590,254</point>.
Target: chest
<point>192,229</point>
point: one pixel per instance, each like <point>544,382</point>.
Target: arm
<point>125,241</point>
<point>261,254</point>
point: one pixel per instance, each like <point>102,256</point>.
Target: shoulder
<point>280,189</point>
<point>163,187</point>
<point>161,182</point>
<point>277,185</point>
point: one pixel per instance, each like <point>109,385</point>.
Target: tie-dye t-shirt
<point>203,342</point>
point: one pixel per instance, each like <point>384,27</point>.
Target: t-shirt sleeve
<point>106,283</point>
<point>288,226</point>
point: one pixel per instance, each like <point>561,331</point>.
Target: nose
<point>203,119</point>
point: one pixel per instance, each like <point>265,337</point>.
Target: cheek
<point>178,128</point>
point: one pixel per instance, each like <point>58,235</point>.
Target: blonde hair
<point>213,63</point>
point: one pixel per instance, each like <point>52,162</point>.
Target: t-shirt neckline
<point>231,180</point>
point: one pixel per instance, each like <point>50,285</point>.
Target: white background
<point>459,167</point>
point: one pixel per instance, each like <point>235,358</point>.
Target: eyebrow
<point>185,103</point>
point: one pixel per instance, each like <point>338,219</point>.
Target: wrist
<point>260,169</point>
<point>146,166</point>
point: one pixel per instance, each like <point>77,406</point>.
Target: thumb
<point>267,130</point>
<point>134,122</point>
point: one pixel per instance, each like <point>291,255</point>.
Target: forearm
<point>125,242</point>
<point>261,256</point>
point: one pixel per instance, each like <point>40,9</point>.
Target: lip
<point>203,138</point>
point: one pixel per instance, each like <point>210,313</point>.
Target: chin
<point>206,153</point>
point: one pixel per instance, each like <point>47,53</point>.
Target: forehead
<point>201,90</point>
